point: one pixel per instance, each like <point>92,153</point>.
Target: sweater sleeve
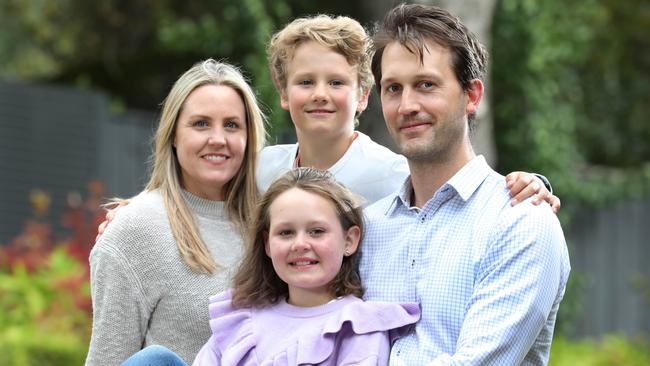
<point>120,312</point>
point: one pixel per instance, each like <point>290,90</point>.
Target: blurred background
<point>81,85</point>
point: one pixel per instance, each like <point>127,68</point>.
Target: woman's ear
<point>352,238</point>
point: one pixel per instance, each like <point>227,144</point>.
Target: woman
<point>155,267</point>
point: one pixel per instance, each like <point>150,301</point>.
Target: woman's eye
<point>201,123</point>
<point>231,124</point>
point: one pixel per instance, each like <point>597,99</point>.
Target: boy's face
<point>322,92</point>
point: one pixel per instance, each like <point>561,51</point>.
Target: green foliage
<point>569,87</point>
<point>569,84</point>
<point>135,50</point>
<point>41,313</point>
<point>611,350</point>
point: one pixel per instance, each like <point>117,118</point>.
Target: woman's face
<point>210,140</point>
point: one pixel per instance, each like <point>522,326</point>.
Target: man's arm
<point>519,284</point>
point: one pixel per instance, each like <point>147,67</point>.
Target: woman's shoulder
<point>137,225</point>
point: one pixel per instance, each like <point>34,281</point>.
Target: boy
<point>321,68</point>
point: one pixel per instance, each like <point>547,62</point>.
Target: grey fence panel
<point>57,140</point>
<point>611,248</point>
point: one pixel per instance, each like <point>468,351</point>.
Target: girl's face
<point>306,244</point>
<point>210,140</point>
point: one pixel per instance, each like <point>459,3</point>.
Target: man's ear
<point>352,238</point>
<point>474,95</point>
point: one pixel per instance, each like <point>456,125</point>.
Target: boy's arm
<point>523,185</point>
<point>519,285</point>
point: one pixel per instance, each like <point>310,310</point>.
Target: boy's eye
<point>305,82</point>
<point>336,83</point>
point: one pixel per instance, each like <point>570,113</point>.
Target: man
<point>489,276</point>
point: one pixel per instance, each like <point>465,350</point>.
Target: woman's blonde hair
<point>240,193</point>
<point>256,282</point>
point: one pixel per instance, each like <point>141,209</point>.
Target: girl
<point>156,265</point>
<point>296,297</point>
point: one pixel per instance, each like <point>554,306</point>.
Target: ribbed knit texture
<point>143,292</point>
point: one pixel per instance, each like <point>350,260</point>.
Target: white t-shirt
<point>367,168</point>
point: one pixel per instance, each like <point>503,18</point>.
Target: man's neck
<point>428,176</point>
<point>322,153</point>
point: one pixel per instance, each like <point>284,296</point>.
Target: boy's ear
<point>284,99</point>
<point>267,248</point>
<point>352,238</point>
<point>362,104</point>
<point>474,95</point>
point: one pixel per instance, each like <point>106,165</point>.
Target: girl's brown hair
<point>256,283</point>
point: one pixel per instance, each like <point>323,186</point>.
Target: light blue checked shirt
<point>489,277</point>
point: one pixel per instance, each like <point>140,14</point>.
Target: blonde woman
<point>178,241</point>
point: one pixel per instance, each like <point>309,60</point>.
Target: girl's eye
<point>316,232</point>
<point>285,232</point>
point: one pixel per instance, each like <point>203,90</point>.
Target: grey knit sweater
<point>143,292</point>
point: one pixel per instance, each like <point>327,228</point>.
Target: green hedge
<point>611,350</point>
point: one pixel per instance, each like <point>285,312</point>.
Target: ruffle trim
<point>233,333</point>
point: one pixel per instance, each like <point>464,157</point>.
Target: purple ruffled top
<point>344,331</point>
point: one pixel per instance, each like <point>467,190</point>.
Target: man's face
<point>423,103</point>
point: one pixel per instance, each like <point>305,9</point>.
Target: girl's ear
<point>352,237</point>
<point>267,248</point>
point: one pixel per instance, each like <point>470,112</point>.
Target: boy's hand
<point>523,185</point>
<point>110,214</point>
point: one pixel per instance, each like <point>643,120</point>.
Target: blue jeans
<point>154,356</point>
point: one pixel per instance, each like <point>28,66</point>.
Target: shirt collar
<point>465,182</point>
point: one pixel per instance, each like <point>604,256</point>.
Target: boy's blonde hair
<point>341,34</point>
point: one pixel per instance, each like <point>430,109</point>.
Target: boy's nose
<point>319,94</point>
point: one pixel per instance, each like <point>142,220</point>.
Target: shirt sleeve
<point>519,285</point>
<point>120,313</point>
